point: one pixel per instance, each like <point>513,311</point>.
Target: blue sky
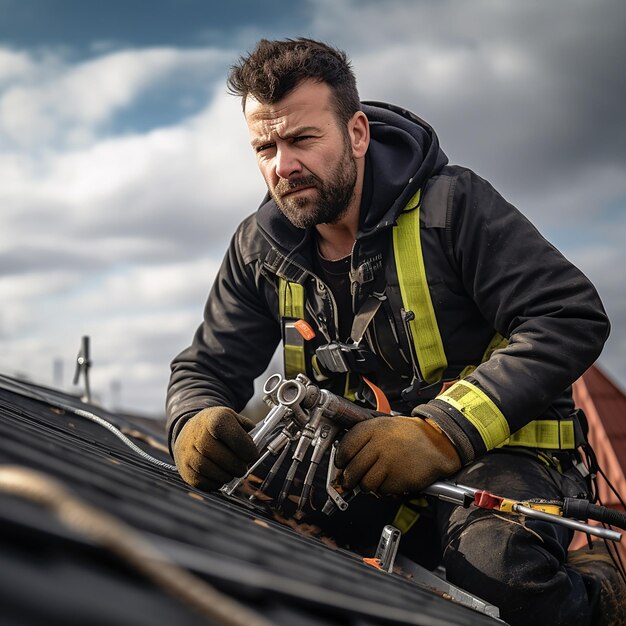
<point>124,165</point>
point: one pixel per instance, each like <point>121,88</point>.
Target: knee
<point>492,549</point>
<point>506,562</point>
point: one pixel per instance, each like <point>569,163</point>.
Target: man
<point>419,276</point>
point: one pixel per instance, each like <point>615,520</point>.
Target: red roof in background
<point>604,404</point>
<point>610,403</point>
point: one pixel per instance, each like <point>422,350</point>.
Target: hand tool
<point>312,420</point>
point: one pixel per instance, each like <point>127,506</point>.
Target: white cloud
<point>118,236</point>
<point>137,323</point>
<point>28,286</point>
<point>22,296</point>
<point>149,288</point>
<point>69,104</point>
<point>141,197</point>
<point>14,65</point>
<point>138,180</point>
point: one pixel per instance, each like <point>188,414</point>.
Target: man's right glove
<point>213,447</point>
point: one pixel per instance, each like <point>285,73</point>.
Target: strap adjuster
<point>340,358</point>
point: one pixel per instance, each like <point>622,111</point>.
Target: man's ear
<point>359,133</point>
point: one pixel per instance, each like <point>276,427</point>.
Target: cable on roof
<point>111,533</point>
<point>29,391</point>
<point>120,435</point>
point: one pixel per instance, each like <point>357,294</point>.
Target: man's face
<point>304,155</point>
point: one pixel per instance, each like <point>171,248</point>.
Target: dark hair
<point>274,68</point>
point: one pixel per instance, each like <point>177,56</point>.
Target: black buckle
<point>340,358</point>
<point>413,392</point>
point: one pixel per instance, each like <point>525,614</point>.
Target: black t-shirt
<point>336,274</point>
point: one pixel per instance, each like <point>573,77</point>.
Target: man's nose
<point>286,162</point>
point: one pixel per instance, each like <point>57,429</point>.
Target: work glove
<point>395,455</point>
<point>213,447</point>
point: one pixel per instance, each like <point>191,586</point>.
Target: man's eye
<point>302,138</point>
<point>264,147</point>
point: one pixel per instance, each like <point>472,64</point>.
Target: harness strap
<point>291,309</point>
<point>407,249</point>
<point>472,402</point>
<point>408,514</point>
<point>364,316</point>
<point>497,342</point>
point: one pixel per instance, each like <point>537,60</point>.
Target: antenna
<point>83,364</point>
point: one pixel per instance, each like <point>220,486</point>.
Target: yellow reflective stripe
<point>349,392</point>
<point>290,299</point>
<point>489,421</point>
<point>466,371</point>
<point>294,360</point>
<point>317,373</point>
<point>548,434</point>
<point>480,411</point>
<point>291,305</point>
<point>497,342</point>
<point>407,249</point>
<point>406,516</point>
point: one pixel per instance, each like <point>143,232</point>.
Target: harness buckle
<point>340,358</point>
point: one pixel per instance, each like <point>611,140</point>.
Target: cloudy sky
<point>125,167</point>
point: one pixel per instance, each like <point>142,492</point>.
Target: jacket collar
<point>403,154</point>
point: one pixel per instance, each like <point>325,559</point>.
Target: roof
<point>610,404</point>
<point>604,404</point>
<point>69,547</point>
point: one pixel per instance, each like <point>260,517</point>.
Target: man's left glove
<point>395,455</point>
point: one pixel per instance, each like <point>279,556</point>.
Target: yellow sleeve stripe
<point>549,434</point>
<point>480,411</point>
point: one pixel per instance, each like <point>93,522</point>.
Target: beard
<point>333,195</point>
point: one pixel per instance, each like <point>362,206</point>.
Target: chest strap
<point>291,309</point>
<point>419,314</point>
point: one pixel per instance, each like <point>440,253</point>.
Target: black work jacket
<point>488,270</point>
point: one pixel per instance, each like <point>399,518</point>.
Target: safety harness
<point>421,325</point>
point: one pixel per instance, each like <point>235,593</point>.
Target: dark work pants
<point>516,563</point>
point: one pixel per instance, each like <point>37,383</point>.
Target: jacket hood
<point>403,154</point>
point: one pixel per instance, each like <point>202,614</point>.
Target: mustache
<point>285,185</point>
